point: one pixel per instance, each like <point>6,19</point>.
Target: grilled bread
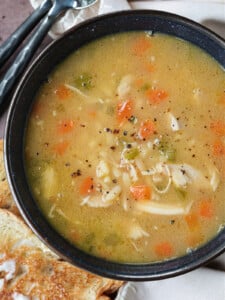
<point>29,270</point>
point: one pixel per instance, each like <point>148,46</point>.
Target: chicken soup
<point>125,148</point>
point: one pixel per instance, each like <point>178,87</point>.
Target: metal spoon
<point>25,55</point>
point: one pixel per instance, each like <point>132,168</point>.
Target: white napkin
<point>73,17</point>
<point>203,283</point>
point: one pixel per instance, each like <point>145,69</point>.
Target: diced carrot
<point>164,249</point>
<point>140,192</point>
<point>74,236</point>
<point>87,186</point>
<point>192,221</point>
<point>218,127</point>
<point>61,147</point>
<point>139,82</point>
<point>156,96</point>
<point>146,129</point>
<point>37,109</point>
<point>218,148</point>
<point>63,92</point>
<point>124,110</point>
<point>65,127</point>
<point>150,67</point>
<point>92,114</point>
<point>222,99</point>
<point>141,45</point>
<point>206,209</point>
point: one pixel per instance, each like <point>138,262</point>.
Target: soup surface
<point>125,148</point>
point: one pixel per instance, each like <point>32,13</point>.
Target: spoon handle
<point>25,55</point>
<point>10,45</point>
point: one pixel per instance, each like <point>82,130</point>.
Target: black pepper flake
<point>193,155</point>
<point>82,125</point>
<point>37,153</point>
<point>114,180</point>
<point>172,222</point>
<point>125,133</point>
<point>46,144</point>
<point>67,164</point>
<point>129,146</point>
<point>132,119</point>
<point>113,148</point>
<point>76,174</point>
<point>107,129</point>
<point>116,131</point>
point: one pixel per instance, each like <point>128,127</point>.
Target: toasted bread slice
<point>29,270</point>
<point>6,199</point>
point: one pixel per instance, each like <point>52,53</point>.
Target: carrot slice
<point>146,129</point>
<point>87,186</point>
<point>61,147</point>
<point>139,82</point>
<point>141,45</point>
<point>37,109</point>
<point>63,92</point>
<point>206,209</point>
<point>218,148</point>
<point>164,249</point>
<point>156,96</point>
<point>124,110</point>
<point>150,67</point>
<point>65,127</point>
<point>192,221</point>
<point>140,192</point>
<point>218,127</point>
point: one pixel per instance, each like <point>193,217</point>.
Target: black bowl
<point>37,73</point>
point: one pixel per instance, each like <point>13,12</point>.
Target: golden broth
<point>125,147</point>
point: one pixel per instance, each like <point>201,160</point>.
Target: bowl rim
<point>120,271</point>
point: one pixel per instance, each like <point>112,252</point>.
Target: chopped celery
<point>170,154</point>
<point>145,87</point>
<point>112,239</point>
<point>84,81</point>
<point>168,151</point>
<point>181,192</point>
<point>131,153</point>
<point>110,110</point>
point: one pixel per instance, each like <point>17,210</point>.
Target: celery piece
<point>84,81</point>
<point>166,150</point>
<point>181,192</point>
<point>131,153</point>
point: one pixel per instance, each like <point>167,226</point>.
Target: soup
<point>125,147</point>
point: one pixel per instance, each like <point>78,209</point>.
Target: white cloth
<point>206,283</point>
<point>73,17</point>
<point>201,284</point>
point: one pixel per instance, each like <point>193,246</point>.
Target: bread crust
<point>34,271</point>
